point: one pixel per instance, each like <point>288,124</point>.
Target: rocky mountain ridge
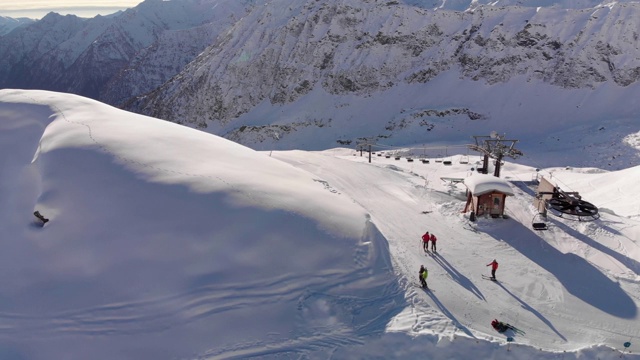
<point>7,24</point>
<point>360,50</point>
<point>98,57</point>
<point>308,74</point>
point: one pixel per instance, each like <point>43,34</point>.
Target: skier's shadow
<point>578,277</point>
<point>533,311</point>
<point>448,314</point>
<point>458,277</point>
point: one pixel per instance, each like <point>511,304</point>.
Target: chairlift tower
<point>365,143</point>
<point>494,146</point>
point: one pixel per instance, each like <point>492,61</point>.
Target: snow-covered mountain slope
<point>85,55</point>
<point>467,5</point>
<point>165,242</point>
<point>548,280</point>
<point>173,49</point>
<point>289,74</point>
<point>319,75</point>
<point>23,48</point>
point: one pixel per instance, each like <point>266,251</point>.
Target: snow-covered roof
<point>480,184</point>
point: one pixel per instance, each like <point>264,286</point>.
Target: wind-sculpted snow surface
<point>165,242</point>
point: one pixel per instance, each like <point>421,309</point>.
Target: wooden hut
<point>486,195</point>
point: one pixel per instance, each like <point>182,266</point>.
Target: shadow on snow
<point>533,311</point>
<point>448,314</point>
<point>630,263</point>
<point>457,276</point>
<point>576,274</point>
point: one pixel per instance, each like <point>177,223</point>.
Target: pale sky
<point>36,9</point>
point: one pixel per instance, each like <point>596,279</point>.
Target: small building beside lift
<point>486,195</point>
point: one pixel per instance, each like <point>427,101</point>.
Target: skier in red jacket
<point>425,241</point>
<point>494,267</point>
<point>433,242</point>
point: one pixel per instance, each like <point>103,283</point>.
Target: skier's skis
<point>424,288</point>
<point>488,277</point>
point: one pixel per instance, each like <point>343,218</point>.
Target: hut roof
<point>480,184</point>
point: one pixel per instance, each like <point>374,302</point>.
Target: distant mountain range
<point>316,74</point>
<point>7,24</point>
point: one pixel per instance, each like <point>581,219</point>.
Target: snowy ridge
<point>196,244</point>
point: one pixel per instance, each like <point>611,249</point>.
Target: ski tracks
<point>395,206</point>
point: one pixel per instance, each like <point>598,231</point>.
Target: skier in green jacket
<point>423,276</point>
